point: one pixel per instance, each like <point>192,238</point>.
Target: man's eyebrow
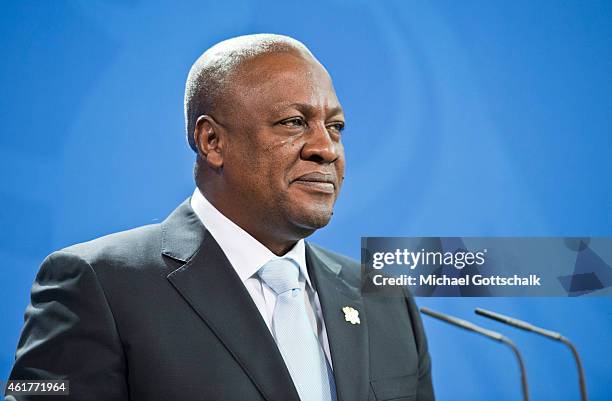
<point>305,108</point>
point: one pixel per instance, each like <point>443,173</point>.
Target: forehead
<point>275,79</point>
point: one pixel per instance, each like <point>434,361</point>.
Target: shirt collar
<point>245,253</point>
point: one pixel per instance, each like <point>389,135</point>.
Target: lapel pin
<point>351,315</point>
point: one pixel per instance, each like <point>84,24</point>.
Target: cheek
<point>266,170</point>
<point>266,160</point>
<point>282,156</point>
<point>284,148</point>
<point>340,164</point>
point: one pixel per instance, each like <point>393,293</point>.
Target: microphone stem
<point>583,392</point>
<point>521,366</point>
<point>487,333</point>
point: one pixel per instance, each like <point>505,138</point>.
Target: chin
<point>313,219</point>
<point>308,214</point>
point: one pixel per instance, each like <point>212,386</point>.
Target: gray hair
<point>210,73</point>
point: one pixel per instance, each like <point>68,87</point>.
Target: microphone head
<point>464,324</point>
<point>518,323</point>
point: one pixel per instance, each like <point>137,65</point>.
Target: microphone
<point>543,332</point>
<point>464,324</point>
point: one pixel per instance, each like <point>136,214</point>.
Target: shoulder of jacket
<point>124,246</point>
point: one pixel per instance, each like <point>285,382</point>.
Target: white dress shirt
<point>247,256</point>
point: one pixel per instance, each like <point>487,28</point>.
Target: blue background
<point>464,119</point>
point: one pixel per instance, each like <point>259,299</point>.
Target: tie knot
<point>281,275</point>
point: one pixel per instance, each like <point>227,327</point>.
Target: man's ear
<point>209,141</point>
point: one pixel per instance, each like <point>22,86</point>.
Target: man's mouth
<point>317,181</point>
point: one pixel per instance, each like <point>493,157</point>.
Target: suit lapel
<point>209,284</point>
<point>348,342</point>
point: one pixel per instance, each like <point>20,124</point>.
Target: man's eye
<point>294,122</point>
<point>338,127</point>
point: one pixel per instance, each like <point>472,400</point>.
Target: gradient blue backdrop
<point>464,119</point>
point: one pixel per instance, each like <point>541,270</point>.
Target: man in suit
<point>224,300</point>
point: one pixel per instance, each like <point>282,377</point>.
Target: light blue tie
<point>294,334</point>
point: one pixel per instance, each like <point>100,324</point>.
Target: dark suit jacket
<point>158,313</point>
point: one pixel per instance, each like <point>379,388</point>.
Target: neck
<point>277,248</point>
<point>279,240</point>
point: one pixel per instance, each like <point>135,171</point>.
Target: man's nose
<point>319,146</point>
